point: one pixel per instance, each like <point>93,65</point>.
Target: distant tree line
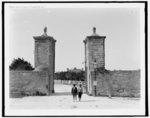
<point>20,64</point>
<point>69,75</point>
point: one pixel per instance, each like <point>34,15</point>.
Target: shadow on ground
<point>88,100</point>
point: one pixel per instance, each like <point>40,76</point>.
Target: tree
<point>70,75</point>
<point>20,64</point>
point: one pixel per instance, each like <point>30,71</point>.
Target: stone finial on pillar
<point>94,30</point>
<point>45,31</point>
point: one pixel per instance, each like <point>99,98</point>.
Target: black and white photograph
<point>75,58</point>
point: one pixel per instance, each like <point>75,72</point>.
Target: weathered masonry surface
<point>28,83</point>
<point>94,53</point>
<point>118,83</point>
<point>41,80</point>
<point>44,56</point>
<point>114,83</point>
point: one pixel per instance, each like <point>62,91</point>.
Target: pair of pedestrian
<point>77,91</point>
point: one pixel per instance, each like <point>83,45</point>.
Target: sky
<point>70,26</point>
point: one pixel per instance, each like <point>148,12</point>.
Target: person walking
<point>80,92</point>
<point>74,92</point>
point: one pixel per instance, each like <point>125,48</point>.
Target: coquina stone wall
<point>24,83</point>
<point>118,83</point>
<point>44,55</point>
<point>94,55</point>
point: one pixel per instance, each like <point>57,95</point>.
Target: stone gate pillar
<point>94,54</point>
<point>44,56</point>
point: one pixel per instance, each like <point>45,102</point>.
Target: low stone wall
<point>119,83</point>
<point>116,83</point>
<point>69,82</point>
<point>24,83</point>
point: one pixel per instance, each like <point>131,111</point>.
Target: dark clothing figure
<point>79,96</point>
<point>74,92</point>
<point>80,92</point>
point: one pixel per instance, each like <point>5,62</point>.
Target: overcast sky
<point>70,26</point>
